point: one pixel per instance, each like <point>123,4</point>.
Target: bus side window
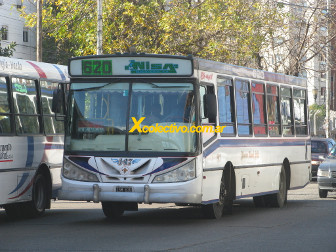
<point>226,106</point>
<point>286,111</point>
<point>299,97</point>
<point>258,109</point>
<point>243,107</point>
<point>209,132</point>
<point>5,117</point>
<point>273,110</point>
<point>25,106</point>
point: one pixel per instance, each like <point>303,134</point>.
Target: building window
<point>25,35</point>
<point>18,4</point>
<point>323,90</point>
<point>1,2</point>
<point>323,75</point>
<point>4,32</point>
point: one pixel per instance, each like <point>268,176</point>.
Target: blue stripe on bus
<point>46,91</point>
<point>256,194</point>
<point>60,72</point>
<point>84,163</point>
<point>53,146</point>
<point>220,143</point>
<point>210,202</point>
<point>167,163</point>
<point>30,152</point>
<point>22,181</point>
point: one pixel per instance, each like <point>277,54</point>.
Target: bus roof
<point>33,69</point>
<point>227,69</point>
<point>158,65</point>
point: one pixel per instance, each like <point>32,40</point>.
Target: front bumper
<point>182,192</point>
<point>326,183</point>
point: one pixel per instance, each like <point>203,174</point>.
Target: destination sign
<point>130,66</point>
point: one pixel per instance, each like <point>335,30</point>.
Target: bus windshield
<point>103,114</point>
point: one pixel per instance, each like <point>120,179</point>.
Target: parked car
<point>320,148</point>
<point>326,174</point>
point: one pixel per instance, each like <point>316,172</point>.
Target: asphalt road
<point>307,223</point>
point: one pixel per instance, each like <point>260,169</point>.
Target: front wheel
<point>224,205</point>
<point>39,202</point>
<point>323,193</point>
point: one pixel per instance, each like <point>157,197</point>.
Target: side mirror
<point>57,101</point>
<point>210,107</point>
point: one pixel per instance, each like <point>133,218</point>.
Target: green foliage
<point>8,50</point>
<point>233,31</point>
<point>319,109</point>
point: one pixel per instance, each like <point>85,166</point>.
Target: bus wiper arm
<point>97,87</point>
<point>163,85</point>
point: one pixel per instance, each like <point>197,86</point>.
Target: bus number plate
<point>124,189</point>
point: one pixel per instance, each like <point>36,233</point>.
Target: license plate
<point>124,189</point>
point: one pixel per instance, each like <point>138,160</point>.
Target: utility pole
<point>39,30</point>
<point>328,84</point>
<point>99,27</point>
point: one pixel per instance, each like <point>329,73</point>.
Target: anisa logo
<point>145,67</point>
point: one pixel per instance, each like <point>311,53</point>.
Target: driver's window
<point>208,128</point>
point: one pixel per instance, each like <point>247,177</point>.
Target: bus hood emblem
<point>126,165</point>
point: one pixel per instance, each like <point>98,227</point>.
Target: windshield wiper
<point>163,85</point>
<point>97,87</point>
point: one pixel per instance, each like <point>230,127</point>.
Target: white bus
<point>31,140</point>
<point>263,150</point>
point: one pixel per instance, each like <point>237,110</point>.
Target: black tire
<point>36,207</point>
<point>112,210</point>
<point>323,193</point>
<point>216,210</point>
<point>259,201</point>
<point>278,199</point>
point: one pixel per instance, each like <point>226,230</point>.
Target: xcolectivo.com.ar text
<point>173,128</point>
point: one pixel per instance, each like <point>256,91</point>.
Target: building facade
<point>14,29</point>
<point>302,41</point>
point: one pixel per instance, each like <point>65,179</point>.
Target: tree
<point>8,50</point>
<point>304,35</point>
<point>317,114</point>
<point>233,31</point>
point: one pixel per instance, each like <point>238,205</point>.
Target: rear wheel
<point>323,193</point>
<point>278,199</point>
<point>112,209</point>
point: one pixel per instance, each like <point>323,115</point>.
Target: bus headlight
<point>71,171</point>
<point>184,173</point>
